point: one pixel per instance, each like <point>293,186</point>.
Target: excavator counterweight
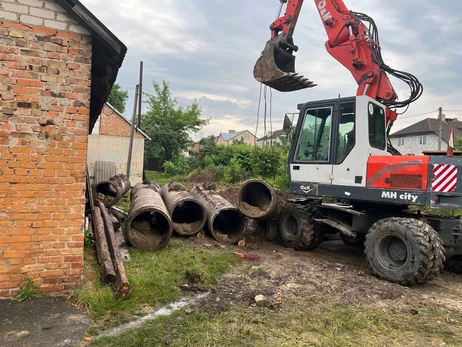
<point>276,68</point>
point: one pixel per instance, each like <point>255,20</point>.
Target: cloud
<point>207,51</point>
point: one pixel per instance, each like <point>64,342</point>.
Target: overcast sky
<point>206,50</point>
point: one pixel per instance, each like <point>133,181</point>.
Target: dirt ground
<point>333,272</point>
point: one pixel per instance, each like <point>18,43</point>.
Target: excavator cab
<point>276,66</point>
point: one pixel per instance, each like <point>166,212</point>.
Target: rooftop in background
<point>230,136</point>
<point>276,134</point>
<point>108,55</point>
<point>431,125</point>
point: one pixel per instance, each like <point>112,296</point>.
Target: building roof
<point>230,136</point>
<point>431,125</point>
<point>130,123</point>
<point>276,134</point>
<point>108,55</point>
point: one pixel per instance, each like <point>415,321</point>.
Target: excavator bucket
<point>276,69</point>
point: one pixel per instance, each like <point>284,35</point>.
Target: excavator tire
<point>400,250</point>
<point>439,255</point>
<point>454,264</point>
<point>296,228</point>
<point>318,232</point>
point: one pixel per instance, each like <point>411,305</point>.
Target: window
<point>377,126</point>
<point>423,139</point>
<point>401,141</point>
<point>314,139</point>
<point>346,131</point>
<point>246,137</point>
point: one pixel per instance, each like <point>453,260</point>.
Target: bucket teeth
<point>290,82</point>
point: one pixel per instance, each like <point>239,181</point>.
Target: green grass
<point>162,178</point>
<point>153,276</point>
<point>311,323</point>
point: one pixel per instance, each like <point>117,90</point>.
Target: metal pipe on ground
<point>257,199</point>
<point>111,191</point>
<point>188,215</point>
<point>225,222</point>
<point>149,226</point>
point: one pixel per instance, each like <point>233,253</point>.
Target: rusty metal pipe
<point>225,222</point>
<point>149,226</point>
<point>258,200</point>
<point>188,215</point>
<point>111,191</point>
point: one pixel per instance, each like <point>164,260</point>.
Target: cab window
<point>377,138</point>
<point>346,131</point>
<point>314,139</point>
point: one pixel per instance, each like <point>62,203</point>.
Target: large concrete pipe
<point>149,226</point>
<point>188,215</point>
<point>111,191</point>
<point>258,200</point>
<point>224,221</point>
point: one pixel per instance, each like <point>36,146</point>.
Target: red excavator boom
<point>350,42</point>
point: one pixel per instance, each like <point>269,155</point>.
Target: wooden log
<point>108,274</point>
<point>121,283</point>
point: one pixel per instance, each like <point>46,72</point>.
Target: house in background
<point>423,136</point>
<point>228,138</point>
<point>271,138</point>
<point>109,141</point>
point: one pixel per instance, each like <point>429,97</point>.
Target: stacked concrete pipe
<point>225,222</point>
<point>257,199</point>
<point>111,191</point>
<point>149,226</point>
<point>188,215</point>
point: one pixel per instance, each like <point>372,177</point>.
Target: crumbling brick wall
<point>45,77</point>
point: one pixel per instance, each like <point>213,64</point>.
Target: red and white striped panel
<point>445,178</point>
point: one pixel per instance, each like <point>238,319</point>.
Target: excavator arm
<point>352,43</point>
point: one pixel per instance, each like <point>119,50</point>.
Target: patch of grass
<point>153,276</point>
<point>297,324</point>
<point>27,290</point>
<point>162,178</point>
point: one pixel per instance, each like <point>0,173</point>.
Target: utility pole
<point>140,96</point>
<point>132,132</point>
<point>440,128</point>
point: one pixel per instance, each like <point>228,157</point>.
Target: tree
<point>118,98</point>
<point>169,124</point>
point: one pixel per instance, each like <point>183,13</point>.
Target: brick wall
<point>45,73</point>
<point>112,124</point>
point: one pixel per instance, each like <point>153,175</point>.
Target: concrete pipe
<point>224,221</point>
<point>258,200</point>
<point>188,215</point>
<point>149,226</point>
<point>111,191</point>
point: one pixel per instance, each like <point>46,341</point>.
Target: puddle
<point>166,310</point>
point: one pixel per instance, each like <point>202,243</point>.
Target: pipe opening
<point>106,191</point>
<point>255,198</point>
<point>229,226</point>
<point>188,218</point>
<point>149,229</point>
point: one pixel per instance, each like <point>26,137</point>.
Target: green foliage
<point>88,240</point>
<point>169,124</point>
<point>154,278</point>
<point>27,290</point>
<point>458,145</point>
<point>118,98</point>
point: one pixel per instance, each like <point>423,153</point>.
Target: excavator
<point>354,182</point>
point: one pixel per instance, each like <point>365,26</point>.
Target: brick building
<point>112,131</point>
<point>57,66</point>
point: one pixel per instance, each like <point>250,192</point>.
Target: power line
<point>420,114</point>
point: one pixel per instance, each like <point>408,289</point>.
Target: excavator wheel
<point>439,254</point>
<point>400,250</point>
<point>454,264</point>
<point>296,228</point>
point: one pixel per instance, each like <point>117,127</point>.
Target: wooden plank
<point>108,274</point>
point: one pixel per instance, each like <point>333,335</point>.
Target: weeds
<point>27,290</point>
